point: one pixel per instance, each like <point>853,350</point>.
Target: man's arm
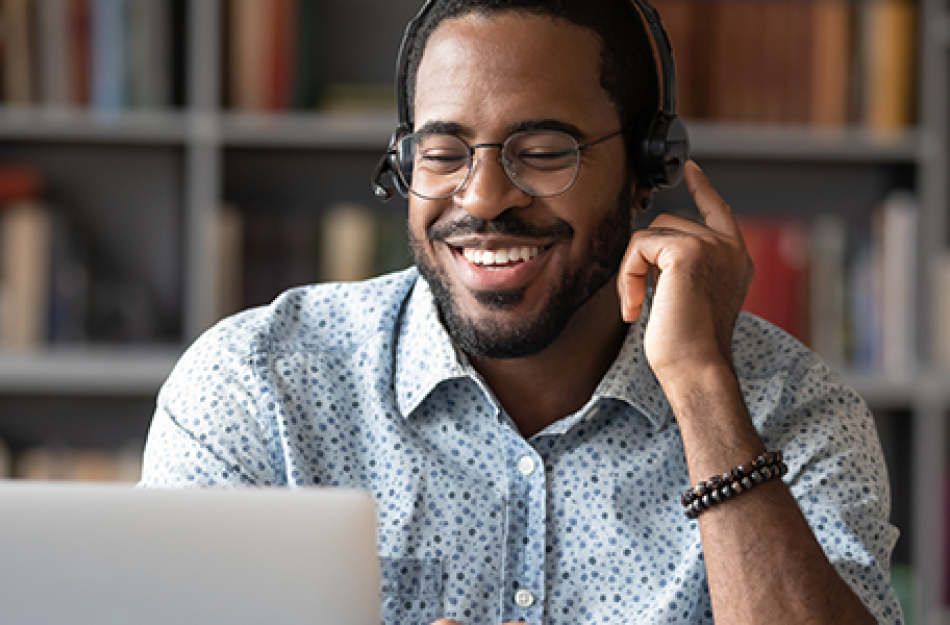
<point>763,562</point>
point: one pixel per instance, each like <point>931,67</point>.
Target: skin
<point>537,68</point>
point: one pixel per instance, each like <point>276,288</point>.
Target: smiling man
<point>548,439</point>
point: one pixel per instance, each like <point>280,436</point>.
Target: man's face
<point>485,77</point>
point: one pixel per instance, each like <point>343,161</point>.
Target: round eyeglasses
<point>542,163</point>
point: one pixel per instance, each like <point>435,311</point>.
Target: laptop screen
<point>91,553</point>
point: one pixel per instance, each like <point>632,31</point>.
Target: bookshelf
<point>151,185</point>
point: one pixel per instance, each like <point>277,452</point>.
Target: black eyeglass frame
<point>388,164</point>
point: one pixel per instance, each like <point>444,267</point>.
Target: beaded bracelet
<point>723,487</point>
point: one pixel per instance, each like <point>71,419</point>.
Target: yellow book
<point>25,232</point>
<point>890,44</point>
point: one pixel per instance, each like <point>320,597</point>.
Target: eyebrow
<point>454,128</point>
<point>547,124</point>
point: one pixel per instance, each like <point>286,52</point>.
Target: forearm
<point>763,562</point>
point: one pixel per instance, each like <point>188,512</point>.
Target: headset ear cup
<point>664,151</point>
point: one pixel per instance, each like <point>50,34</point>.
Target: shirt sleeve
<point>836,473</point>
<point>208,428</point>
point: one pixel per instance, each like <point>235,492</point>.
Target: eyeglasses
<point>542,163</point>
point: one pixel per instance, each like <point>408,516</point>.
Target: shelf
<point>160,128</point>
<point>371,130</point>
<point>798,143</point>
<point>927,388</point>
<point>346,130</point>
<point>92,371</point>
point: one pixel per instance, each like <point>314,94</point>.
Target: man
<point>526,431</point>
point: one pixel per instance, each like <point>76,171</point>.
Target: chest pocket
<point>411,591</point>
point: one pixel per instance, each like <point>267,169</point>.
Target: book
<point>229,246</point>
<point>310,58</point>
<point>19,182</point>
<point>828,266</point>
<point>348,243</point>
<point>831,60</point>
<point>80,52</point>
<point>249,64</point>
<point>18,70</point>
<point>109,50</point>
<point>6,461</point>
<point>898,223</point>
<point>864,306</point>
<point>889,32</point>
<point>62,462</point>
<point>682,20</point>
<point>53,52</point>
<point>281,250</point>
<point>24,273</point>
<point>779,290</point>
<point>282,43</point>
<point>148,59</point>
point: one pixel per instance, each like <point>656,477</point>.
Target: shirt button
<point>524,599</point>
<point>526,465</point>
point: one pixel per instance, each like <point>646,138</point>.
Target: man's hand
<point>704,271</point>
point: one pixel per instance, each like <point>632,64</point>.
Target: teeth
<point>500,257</point>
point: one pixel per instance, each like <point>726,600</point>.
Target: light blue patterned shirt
<point>359,385</point>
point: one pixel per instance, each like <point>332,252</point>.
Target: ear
<point>641,198</point>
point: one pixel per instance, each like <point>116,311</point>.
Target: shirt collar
<point>425,354</point>
<point>631,380</point>
<point>426,357</point>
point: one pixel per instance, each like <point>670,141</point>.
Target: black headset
<point>663,144</point>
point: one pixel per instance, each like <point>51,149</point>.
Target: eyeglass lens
<point>541,163</point>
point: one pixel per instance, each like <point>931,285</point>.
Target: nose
<point>489,191</point>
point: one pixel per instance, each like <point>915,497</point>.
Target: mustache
<point>507,223</point>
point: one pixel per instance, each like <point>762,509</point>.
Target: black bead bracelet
<point>720,488</point>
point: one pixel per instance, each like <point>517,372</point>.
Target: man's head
<point>513,272</point>
<point>628,70</point>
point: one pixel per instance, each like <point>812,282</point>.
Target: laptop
<point>103,554</point>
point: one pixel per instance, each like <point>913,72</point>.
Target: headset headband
<point>647,14</point>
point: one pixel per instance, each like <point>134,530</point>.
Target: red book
<point>779,290</point>
<point>283,46</point>
<point>19,182</point>
<point>79,52</point>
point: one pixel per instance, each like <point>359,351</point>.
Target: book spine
<point>830,62</point>
<point>17,58</point>
<point>108,57</point>
<point>899,249</point>
<point>53,22</point>
<point>827,297</point>
<point>24,263</point>
<point>80,52</point>
<point>308,64</point>
<point>889,55</point>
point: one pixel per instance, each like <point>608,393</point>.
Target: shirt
<point>359,385</point>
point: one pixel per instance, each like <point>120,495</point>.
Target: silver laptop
<point>103,554</point>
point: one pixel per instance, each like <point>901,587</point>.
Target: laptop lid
<point>102,554</point>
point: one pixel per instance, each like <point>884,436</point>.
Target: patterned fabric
<point>359,385</point>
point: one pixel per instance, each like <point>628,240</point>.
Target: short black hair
<point>628,70</point>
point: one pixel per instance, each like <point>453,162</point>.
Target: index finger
<point>715,212</point>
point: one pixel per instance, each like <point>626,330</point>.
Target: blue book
<point>108,58</point>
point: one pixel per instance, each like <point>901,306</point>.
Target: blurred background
<point>165,163</point>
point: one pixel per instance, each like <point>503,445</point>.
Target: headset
<point>663,144</point>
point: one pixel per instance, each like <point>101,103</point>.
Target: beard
<point>490,338</point>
